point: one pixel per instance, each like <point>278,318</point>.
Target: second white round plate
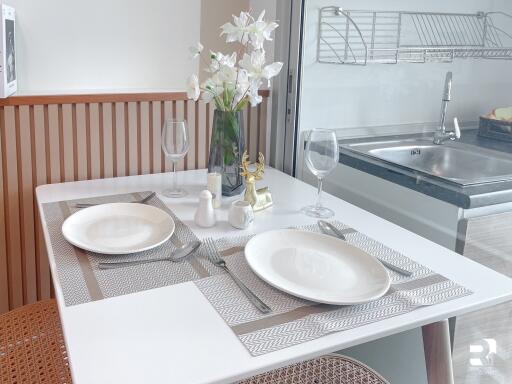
<point>316,267</point>
<point>118,228</point>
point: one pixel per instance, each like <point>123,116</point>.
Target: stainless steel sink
<point>457,162</point>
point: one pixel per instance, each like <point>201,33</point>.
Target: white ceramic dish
<point>316,267</point>
<point>118,228</point>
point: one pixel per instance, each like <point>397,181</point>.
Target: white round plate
<point>316,267</point>
<point>118,228</point>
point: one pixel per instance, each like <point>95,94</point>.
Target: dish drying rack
<point>391,37</point>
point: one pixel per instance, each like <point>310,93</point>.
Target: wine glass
<point>175,146</point>
<point>321,157</point>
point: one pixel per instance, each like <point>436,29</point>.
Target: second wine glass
<point>175,146</point>
<point>321,156</point>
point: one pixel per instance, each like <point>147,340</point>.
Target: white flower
<point>193,91</point>
<point>219,60</point>
<point>196,50</point>
<point>227,74</point>
<point>260,31</point>
<point>253,94</point>
<point>235,82</point>
<point>242,86</point>
<point>245,29</point>
<point>255,66</point>
<point>213,88</point>
<point>238,30</point>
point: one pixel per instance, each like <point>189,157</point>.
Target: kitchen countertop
<point>467,197</point>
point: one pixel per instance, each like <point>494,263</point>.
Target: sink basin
<point>457,162</point>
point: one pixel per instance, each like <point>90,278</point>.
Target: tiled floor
<point>483,347</point>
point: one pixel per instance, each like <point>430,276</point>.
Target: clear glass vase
<point>226,149</point>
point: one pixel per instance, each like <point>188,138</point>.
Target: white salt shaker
<point>205,215</point>
<point>240,214</point>
<point>214,185</point>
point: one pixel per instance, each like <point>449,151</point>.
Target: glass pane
<point>419,98</point>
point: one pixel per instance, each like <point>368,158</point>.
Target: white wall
<point>71,45</point>
<point>66,46</point>
<point>342,96</point>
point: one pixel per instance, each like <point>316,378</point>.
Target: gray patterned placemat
<point>293,320</point>
<point>82,281</point>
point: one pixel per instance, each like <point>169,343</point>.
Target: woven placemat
<point>82,281</point>
<point>293,320</point>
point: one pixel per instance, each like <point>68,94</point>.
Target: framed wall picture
<point>9,78</point>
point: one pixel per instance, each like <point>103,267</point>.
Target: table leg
<point>438,357</point>
<point>452,322</point>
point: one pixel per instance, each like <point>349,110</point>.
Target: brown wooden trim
<point>47,136</point>
<point>209,128</point>
<point>151,108</point>
<point>21,202</point>
<point>126,121</point>
<point>12,218</point>
<point>88,140</point>
<point>102,140</point>
<point>99,98</point>
<point>4,222</point>
<point>139,137</point>
<point>114,138</point>
<point>196,130</point>
<point>74,125</point>
<point>162,119</point>
<point>185,117</point>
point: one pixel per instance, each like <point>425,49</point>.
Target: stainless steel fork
<point>141,201</point>
<point>216,259</point>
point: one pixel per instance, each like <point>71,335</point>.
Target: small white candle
<point>214,185</point>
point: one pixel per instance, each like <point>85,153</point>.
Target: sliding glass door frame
<point>286,92</point>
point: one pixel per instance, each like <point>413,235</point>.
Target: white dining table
<point>173,335</point>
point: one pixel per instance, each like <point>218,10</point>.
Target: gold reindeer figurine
<point>258,198</point>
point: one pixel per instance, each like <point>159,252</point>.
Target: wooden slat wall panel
<point>143,121</point>
<point>82,158</point>
<point>38,131</point>
<point>154,132</point>
<point>94,132</point>
<point>252,132</point>
<point>26,205</point>
<point>12,230</point>
<point>4,274</point>
<point>65,138</point>
<point>202,156</point>
<point>67,142</point>
<point>107,141</point>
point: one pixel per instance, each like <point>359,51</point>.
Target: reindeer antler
<point>260,166</point>
<point>245,165</point>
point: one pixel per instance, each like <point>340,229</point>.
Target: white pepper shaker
<point>205,215</point>
<point>214,185</point>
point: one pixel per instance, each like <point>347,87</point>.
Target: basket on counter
<point>495,129</point>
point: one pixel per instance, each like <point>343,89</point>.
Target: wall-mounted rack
<point>391,37</point>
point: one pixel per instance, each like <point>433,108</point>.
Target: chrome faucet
<point>441,135</point>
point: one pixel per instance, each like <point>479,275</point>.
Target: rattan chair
<point>32,351</point>
<point>32,347</point>
<point>329,369</point>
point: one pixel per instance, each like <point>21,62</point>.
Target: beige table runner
<point>293,320</point>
